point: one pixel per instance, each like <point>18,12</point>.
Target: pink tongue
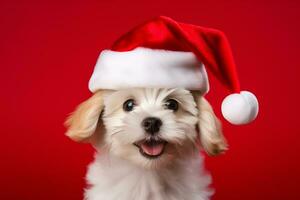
<point>153,150</point>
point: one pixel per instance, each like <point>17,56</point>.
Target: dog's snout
<point>151,124</point>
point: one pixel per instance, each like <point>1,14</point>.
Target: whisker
<point>116,132</point>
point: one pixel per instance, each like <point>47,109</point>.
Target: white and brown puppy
<point>147,143</point>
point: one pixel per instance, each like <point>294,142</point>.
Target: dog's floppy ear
<point>84,121</point>
<point>210,132</point>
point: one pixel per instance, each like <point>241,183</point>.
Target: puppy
<point>147,143</point>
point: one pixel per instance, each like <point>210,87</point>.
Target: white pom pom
<point>240,108</point>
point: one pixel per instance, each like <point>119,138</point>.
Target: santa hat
<point>167,54</point>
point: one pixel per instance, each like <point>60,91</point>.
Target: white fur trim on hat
<point>240,108</point>
<point>144,67</point>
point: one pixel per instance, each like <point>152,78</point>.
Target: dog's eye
<point>171,104</point>
<point>128,105</point>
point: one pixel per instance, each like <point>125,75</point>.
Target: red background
<point>47,54</point>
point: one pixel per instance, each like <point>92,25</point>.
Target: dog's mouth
<point>152,148</point>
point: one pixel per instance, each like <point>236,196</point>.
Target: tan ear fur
<point>210,131</point>
<point>84,121</point>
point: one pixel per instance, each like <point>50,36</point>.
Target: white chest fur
<point>112,178</point>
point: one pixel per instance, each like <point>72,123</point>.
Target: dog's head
<point>150,127</point>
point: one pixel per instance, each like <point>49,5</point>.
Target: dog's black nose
<point>151,124</point>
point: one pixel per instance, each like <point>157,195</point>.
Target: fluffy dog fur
<point>120,171</point>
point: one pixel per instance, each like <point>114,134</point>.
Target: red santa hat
<point>164,53</point>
